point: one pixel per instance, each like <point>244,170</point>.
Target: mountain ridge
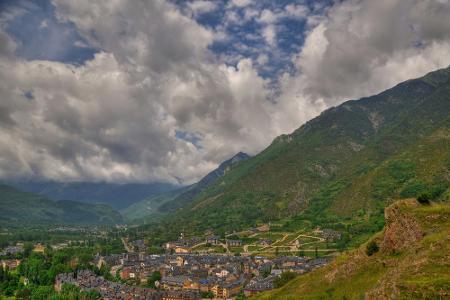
<point>18,207</point>
<point>171,201</point>
<point>310,173</point>
<point>117,195</point>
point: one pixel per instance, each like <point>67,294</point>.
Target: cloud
<point>240,3</point>
<point>44,24</point>
<point>199,7</point>
<point>156,103</point>
<point>353,52</point>
<point>116,117</point>
<point>269,34</point>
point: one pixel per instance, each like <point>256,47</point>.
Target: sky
<point>165,90</point>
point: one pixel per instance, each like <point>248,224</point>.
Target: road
<point>125,245</point>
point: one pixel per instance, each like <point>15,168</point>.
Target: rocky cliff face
<point>401,229</point>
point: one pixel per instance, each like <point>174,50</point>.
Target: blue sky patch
<point>40,36</point>
<point>190,137</point>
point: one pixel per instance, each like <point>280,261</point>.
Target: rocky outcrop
<point>401,229</point>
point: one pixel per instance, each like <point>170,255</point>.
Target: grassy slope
<point>329,168</point>
<point>416,271</point>
<point>28,208</point>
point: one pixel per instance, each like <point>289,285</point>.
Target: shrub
<point>424,198</point>
<point>284,278</point>
<point>372,248</point>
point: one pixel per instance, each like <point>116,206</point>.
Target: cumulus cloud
<point>118,116</point>
<point>199,7</point>
<point>357,49</point>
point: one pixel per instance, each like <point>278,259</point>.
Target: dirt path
<point>197,245</point>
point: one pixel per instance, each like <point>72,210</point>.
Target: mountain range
<point>97,203</point>
<point>23,208</point>
<point>343,166</point>
<point>118,196</point>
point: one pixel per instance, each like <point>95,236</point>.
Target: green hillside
<point>412,261</point>
<point>340,168</point>
<point>17,207</point>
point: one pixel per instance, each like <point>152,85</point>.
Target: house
<point>234,243</point>
<point>39,248</point>
<point>127,273</point>
<point>182,249</point>
<point>222,273</point>
<point>11,264</point>
<point>265,242</point>
<point>331,235</point>
<point>228,289</point>
<point>213,240</point>
<point>191,285</point>
<point>176,295</point>
<point>259,285</point>
<point>173,283</point>
<point>12,250</point>
<point>139,246</point>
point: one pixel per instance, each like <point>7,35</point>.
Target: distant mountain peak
<point>236,158</point>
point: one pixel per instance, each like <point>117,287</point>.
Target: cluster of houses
<point>223,276</point>
<point>12,250</point>
<point>109,290</point>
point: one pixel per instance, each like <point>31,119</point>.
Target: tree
<point>156,276</point>
<point>372,248</point>
<point>266,271</point>
<point>208,295</point>
<point>27,249</point>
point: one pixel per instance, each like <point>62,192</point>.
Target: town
<point>188,276</point>
<point>240,264</point>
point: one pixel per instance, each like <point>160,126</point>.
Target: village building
<point>213,240</point>
<point>234,243</point>
<point>11,264</point>
<point>258,285</point>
